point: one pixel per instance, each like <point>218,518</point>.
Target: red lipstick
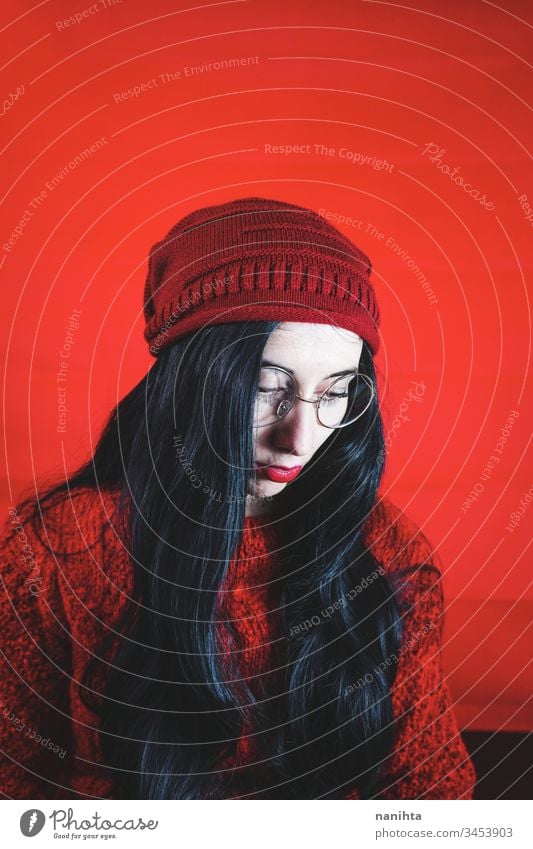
<point>279,474</point>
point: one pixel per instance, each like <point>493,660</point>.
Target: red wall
<point>371,85</point>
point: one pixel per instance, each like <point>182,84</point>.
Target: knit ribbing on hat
<point>261,259</point>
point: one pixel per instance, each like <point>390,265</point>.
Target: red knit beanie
<point>256,259</point>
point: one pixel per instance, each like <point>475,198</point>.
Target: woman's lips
<point>279,474</point>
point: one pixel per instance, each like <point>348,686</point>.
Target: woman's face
<point>312,352</point>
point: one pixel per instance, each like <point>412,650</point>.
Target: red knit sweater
<point>55,611</point>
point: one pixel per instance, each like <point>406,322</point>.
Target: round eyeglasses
<point>344,401</point>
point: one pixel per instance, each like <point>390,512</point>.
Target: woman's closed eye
<point>333,396</point>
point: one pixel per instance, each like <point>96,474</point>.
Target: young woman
<point>218,604</point>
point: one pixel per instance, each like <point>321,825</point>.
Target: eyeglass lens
<point>346,398</point>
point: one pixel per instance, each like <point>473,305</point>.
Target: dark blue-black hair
<point>173,705</point>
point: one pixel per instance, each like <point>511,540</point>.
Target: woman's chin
<point>264,489</point>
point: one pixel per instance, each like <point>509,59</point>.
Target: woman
<point>218,605</point>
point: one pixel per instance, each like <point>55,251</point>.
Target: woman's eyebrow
<point>335,374</point>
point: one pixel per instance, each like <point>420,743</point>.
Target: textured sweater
<point>55,610</point>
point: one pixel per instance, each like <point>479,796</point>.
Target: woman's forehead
<point>320,344</point>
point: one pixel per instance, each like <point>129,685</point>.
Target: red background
<point>378,79</point>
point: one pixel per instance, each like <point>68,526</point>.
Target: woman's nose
<point>296,431</point>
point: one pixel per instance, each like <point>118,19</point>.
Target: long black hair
<point>179,449</point>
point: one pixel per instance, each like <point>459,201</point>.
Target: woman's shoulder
<point>65,518</point>
<point>67,552</point>
<point>404,552</point>
<point>395,537</point>
<point>68,522</point>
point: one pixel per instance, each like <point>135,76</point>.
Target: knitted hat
<point>256,258</point>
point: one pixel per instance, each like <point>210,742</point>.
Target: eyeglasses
<point>344,401</point>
